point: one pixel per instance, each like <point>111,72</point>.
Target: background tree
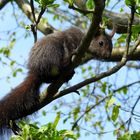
<point>108,90</point>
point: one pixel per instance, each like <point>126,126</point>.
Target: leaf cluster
<point>45,132</point>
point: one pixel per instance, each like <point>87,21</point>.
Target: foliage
<point>128,136</point>
<point>45,132</point>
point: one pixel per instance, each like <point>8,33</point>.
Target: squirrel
<point>47,60</point>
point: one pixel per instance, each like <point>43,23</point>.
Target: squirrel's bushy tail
<point>20,102</point>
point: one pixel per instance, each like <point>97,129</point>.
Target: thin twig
<point>97,133</point>
<point>129,30</point>
<point>92,107</point>
<point>126,86</point>
<point>34,31</point>
<point>33,10</point>
<point>33,26</point>
<point>83,11</point>
<point>132,112</point>
<point>115,4</point>
<point>88,110</point>
<point>36,21</point>
<point>40,15</point>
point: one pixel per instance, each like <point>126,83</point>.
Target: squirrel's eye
<point>101,43</point>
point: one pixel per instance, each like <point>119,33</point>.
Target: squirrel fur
<point>48,58</point>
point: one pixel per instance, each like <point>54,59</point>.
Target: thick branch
<point>116,55</point>
<point>120,19</point>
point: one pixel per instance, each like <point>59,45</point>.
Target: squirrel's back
<point>48,56</point>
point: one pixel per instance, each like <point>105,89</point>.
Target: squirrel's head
<point>101,45</point>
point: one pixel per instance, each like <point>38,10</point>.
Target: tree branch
<point>126,86</point>
<point>120,20</point>
<point>88,110</point>
<point>109,72</point>
<point>24,5</point>
<point>3,3</point>
<point>133,65</point>
<point>82,11</point>
<point>132,111</point>
<point>117,54</point>
<point>36,20</point>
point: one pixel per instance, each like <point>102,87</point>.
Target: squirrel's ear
<point>113,31</point>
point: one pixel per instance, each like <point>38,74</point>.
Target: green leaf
<point>45,3</point>
<point>115,113</point>
<point>90,4</point>
<point>107,2</point>
<point>136,29</point>
<point>17,137</point>
<point>125,90</point>
<point>16,71</point>
<point>68,134</point>
<point>53,5</point>
<point>111,102</point>
<point>130,2</point>
<point>135,135</point>
<point>70,2</point>
<point>12,63</point>
<point>44,113</point>
<point>27,27</point>
<point>104,86</point>
<point>56,120</point>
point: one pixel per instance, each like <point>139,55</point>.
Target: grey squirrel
<point>47,60</point>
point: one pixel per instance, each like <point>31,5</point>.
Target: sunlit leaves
<point>90,4</point>
<point>98,124</point>
<point>81,3</point>
<point>136,31</point>
<point>45,132</point>
<point>115,113</point>
<point>70,2</point>
<point>110,102</point>
<point>7,50</point>
<point>47,3</point>
<point>135,3</point>
<point>130,2</point>
<point>76,111</point>
<point>44,3</point>
<point>107,2</point>
<point>16,71</point>
<point>104,86</point>
<point>127,136</point>
<point>12,63</point>
<point>56,120</point>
